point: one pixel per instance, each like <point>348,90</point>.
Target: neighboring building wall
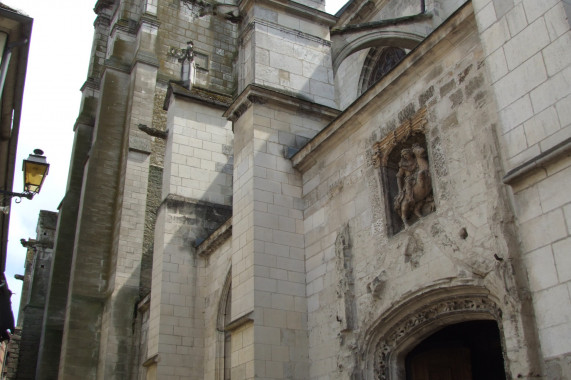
<point>36,281</point>
<point>527,50</point>
<point>13,355</point>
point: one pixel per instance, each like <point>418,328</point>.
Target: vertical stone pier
<point>287,95</point>
<point>196,199</point>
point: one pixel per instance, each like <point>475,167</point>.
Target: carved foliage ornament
<point>422,317</point>
<point>412,126</point>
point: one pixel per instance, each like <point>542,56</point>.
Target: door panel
<point>442,364</point>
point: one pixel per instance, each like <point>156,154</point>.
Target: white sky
<point>57,68</point>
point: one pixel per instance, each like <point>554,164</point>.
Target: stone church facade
<point>379,194</point>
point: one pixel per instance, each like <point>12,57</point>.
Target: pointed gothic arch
<point>224,338</point>
<point>379,61</point>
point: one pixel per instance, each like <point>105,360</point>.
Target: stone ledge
<point>538,162</point>
<point>295,8</point>
<point>152,360</point>
<point>255,93</point>
<point>200,95</point>
<point>239,322</point>
<point>216,239</point>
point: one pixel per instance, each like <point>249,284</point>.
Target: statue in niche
<point>414,183</point>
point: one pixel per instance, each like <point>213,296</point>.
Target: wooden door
<point>442,364</point>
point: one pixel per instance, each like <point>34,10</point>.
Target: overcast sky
<point>57,68</point>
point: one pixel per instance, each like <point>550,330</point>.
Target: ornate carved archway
<point>397,333</point>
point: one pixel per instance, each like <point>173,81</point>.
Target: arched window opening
<point>468,350</point>
<point>378,63</point>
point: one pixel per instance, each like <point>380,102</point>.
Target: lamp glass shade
<point>35,170</point>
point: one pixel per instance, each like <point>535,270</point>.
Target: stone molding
<point>411,322</point>
<point>174,201</point>
<point>200,95</point>
<point>103,4</point>
<point>240,321</point>
<point>261,95</point>
<point>152,360</point>
<point>412,126</point>
<point>216,239</point>
<point>295,9</point>
<point>249,29</point>
<point>563,149</point>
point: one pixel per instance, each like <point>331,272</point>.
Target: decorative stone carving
<point>413,126</point>
<point>405,173</point>
<point>346,283</point>
<point>200,8</point>
<point>414,183</point>
<point>377,286</point>
<point>422,317</point>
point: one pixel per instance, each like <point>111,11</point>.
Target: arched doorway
<point>465,351</point>
<point>431,325</point>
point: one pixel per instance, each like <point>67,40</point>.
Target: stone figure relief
<point>405,173</point>
<point>414,183</point>
<point>346,282</point>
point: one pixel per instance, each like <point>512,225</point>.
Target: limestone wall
<point>288,51</point>
<point>214,41</point>
<point>213,273</point>
<point>527,49</point>
<point>467,242</point>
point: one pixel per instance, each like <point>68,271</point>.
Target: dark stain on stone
<point>449,123</point>
<point>407,113</point>
<point>480,99</point>
<point>435,73</point>
<point>425,96</point>
<point>444,90</point>
<point>462,76</point>
<point>474,84</point>
<point>457,98</point>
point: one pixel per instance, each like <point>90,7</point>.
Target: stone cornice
<point>563,149</point>
<point>216,239</point>
<point>103,4</point>
<point>196,94</point>
<point>149,19</point>
<point>258,94</point>
<point>293,8</point>
<point>91,83</point>
<point>240,321</point>
<point>252,26</point>
<point>174,200</point>
<point>380,24</point>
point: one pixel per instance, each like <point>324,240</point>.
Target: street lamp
<point>35,169</point>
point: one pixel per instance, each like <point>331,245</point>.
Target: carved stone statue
<point>414,183</point>
<point>188,68</point>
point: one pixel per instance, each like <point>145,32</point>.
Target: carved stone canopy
<point>413,126</point>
